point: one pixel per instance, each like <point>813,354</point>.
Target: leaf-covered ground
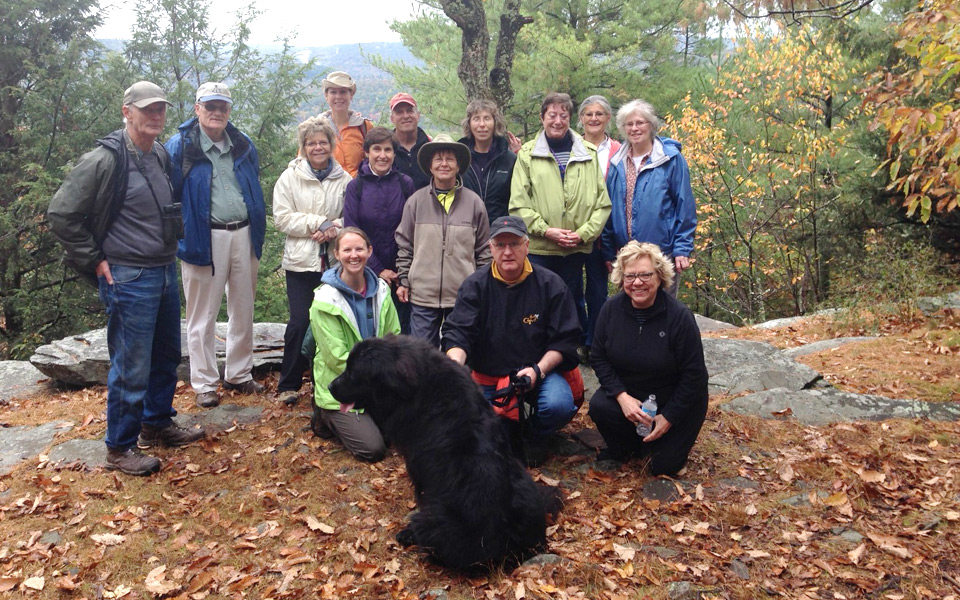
<point>765,508</point>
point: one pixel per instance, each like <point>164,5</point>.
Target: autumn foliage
<point>918,104</point>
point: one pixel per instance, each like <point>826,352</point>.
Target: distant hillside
<point>374,87</point>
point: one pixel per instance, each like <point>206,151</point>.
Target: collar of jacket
<point>658,155</point>
<point>301,166</point>
<point>190,130</point>
<point>580,152</point>
<point>659,303</point>
<point>498,146</point>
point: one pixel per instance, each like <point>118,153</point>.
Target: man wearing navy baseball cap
<point>511,316</point>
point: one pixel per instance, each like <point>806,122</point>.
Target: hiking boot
<point>289,397</point>
<point>247,387</point>
<point>319,428</point>
<point>170,436</point>
<point>208,399</point>
<point>132,462</point>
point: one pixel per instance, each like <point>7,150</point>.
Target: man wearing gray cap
<point>216,176</point>
<point>118,223</point>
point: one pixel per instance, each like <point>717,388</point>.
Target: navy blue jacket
<point>190,174</point>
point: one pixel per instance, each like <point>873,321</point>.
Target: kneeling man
<point>511,315</point>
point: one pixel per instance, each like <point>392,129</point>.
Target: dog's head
<point>380,373</point>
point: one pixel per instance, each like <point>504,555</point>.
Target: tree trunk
<point>471,18</point>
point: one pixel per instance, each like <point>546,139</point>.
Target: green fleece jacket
<point>335,330</point>
<point>578,202</point>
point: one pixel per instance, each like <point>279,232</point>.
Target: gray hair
<point>312,126</point>
<point>634,250</point>
<point>595,99</point>
<point>644,108</point>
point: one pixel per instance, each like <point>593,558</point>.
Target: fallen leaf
<point>838,499</point>
<point>782,413</point>
<point>34,583</point>
<point>520,592</point>
<point>108,539</point>
<point>758,554</point>
<point>855,554</point>
<point>871,476</point>
<point>786,472</point>
<point>156,582</point>
<point>316,525</point>
<point>951,515</point>
<point>8,583</point>
<point>625,553</point>
<point>890,544</point>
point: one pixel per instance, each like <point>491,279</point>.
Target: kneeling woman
<point>351,304</point>
<point>647,342</point>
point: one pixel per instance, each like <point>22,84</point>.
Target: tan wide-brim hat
<point>339,79</point>
<point>443,142</point>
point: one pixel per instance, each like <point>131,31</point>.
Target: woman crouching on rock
<point>647,343</point>
<point>352,304</point>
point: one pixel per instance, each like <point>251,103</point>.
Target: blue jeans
<point>570,270</point>
<point>555,406</point>
<point>143,337</point>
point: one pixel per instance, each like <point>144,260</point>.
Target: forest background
<point>823,140</point>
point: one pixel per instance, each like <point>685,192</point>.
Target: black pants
<point>300,286</point>
<point>668,454</point>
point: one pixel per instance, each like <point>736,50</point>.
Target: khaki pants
<point>234,271</point>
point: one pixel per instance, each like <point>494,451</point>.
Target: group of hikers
<point>496,251</point>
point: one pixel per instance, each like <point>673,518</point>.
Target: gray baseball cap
<point>143,94</point>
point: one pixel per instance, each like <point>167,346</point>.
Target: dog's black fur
<point>478,506</point>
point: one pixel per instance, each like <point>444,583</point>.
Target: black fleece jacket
<point>664,357</point>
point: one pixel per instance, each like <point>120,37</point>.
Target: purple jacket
<point>375,205</point>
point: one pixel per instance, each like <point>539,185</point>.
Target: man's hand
<point>680,263</point>
<point>457,355</point>
<point>564,238</point>
<point>103,270</point>
<point>403,294</point>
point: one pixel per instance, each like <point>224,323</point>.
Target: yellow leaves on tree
<point>918,104</point>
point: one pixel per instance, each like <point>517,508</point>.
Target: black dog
<point>478,506</point>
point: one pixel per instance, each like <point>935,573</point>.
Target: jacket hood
<point>301,166</point>
<point>663,150</point>
<point>332,278</point>
<point>190,131</point>
<point>354,119</point>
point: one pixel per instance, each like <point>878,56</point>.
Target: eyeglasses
<point>316,144</point>
<point>631,277</point>
<point>514,245</point>
<point>637,123</point>
<point>215,107</point>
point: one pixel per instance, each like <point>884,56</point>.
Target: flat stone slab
<point>221,417</point>
<point>22,442</point>
<point>708,324</point>
<point>829,405</point>
<point>83,359</point>
<point>87,453</point>
<point>825,345</point>
<point>20,379</point>
<point>738,366</point>
<point>931,305</point>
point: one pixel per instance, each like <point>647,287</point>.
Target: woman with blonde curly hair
<point>647,343</point>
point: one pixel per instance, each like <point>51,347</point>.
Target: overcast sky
<point>317,23</point>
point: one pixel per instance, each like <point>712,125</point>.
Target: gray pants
<point>357,432</point>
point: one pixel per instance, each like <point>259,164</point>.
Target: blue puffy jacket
<point>664,211</point>
<point>190,174</point>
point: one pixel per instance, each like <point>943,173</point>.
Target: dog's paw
<point>406,538</point>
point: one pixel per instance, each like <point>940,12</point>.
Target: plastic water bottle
<point>649,406</point>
